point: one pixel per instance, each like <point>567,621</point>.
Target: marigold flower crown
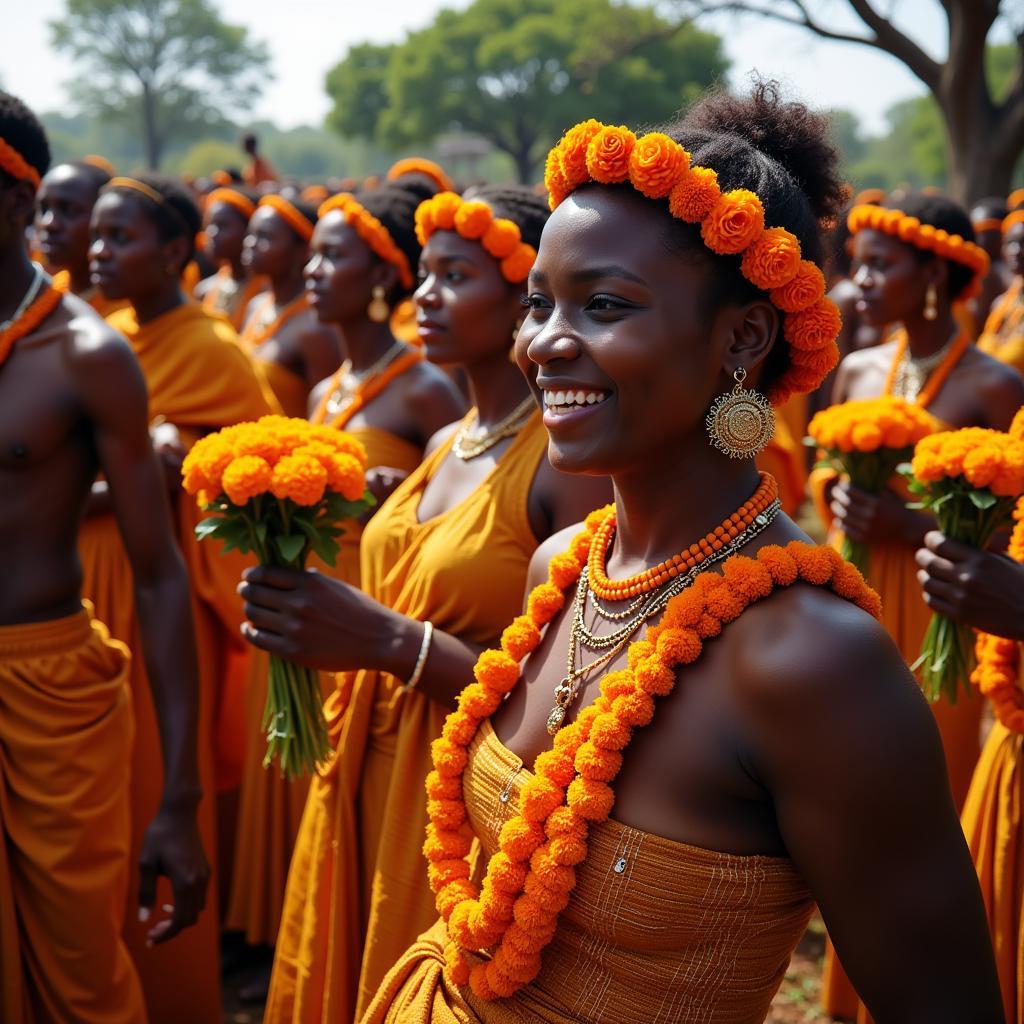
<point>473,219</point>
<point>371,231</point>
<point>731,223</point>
<point>925,237</point>
<point>290,214</point>
<point>421,165</point>
<point>16,165</point>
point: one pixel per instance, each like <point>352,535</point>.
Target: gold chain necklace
<point>29,297</point>
<point>349,382</point>
<point>912,374</point>
<point>582,638</point>
<point>471,441</point>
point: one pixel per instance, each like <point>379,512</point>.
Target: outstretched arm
<point>845,744</point>
<point>114,395</point>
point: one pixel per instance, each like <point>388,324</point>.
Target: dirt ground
<point>796,1002</point>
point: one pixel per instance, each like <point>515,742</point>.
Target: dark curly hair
<point>941,212</point>
<point>176,217</point>
<point>22,130</point>
<point>395,207</point>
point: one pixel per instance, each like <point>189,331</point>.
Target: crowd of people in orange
<point>581,411</point>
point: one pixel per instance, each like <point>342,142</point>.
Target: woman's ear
<point>384,275</point>
<point>751,333</point>
<point>176,253</point>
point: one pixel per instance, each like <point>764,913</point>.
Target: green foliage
<point>173,67</point>
<point>208,156</point>
<point>518,72</point>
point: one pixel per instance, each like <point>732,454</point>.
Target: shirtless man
<point>73,403</point>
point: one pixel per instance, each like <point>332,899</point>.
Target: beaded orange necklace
<point>528,882</point>
<point>651,579</point>
<point>36,312</point>
<point>254,335</point>
<point>937,377</point>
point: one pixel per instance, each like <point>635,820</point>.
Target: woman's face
<point>617,339</point>
<point>64,205</point>
<point>225,231</point>
<point>271,247</point>
<point>340,270</point>
<point>891,278</point>
<point>466,311</point>
<point>127,257</point>
<point>1013,249</point>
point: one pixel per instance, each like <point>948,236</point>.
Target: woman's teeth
<point>565,399</point>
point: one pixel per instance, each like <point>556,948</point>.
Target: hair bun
<point>791,134</point>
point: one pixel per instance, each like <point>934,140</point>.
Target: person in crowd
<point>987,216</point>
<point>1003,336</point>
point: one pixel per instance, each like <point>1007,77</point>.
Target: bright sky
<point>307,37</point>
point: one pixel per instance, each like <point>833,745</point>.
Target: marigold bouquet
<point>867,439</point>
<point>280,487</point>
<point>970,480</point>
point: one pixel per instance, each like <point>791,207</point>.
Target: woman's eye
<point>603,303</point>
<point>454,276</point>
<point>534,302</point>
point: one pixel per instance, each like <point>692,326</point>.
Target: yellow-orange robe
<point>197,377</point>
<point>357,891</point>
<point>656,931</point>
<point>786,459</point>
<point>993,821</point>
<point>892,571</point>
<point>65,738</point>
<point>271,807</point>
<point>1003,336</point>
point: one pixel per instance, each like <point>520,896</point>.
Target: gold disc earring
<point>740,423</point>
<point>378,310</point>
<point>931,303</point>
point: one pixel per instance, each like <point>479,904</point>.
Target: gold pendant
<point>555,720</point>
<point>563,698</point>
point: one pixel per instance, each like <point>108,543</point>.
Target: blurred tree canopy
<point>173,68</point>
<point>519,72</point>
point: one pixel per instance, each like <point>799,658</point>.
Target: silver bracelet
<point>421,658</point>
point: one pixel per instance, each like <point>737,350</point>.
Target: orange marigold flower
<point>806,287</point>
<point>635,709</point>
<point>653,676</point>
<point>640,649</point>
<point>449,759</point>
<point>479,701</point>
<point>564,570</point>
<point>346,477</point>
<point>725,605</point>
<point>847,581</point>
<point>539,797</point>
<point>779,563</point>
<point>544,603</point>
<point>505,875</point>
<point>680,646</point>
<point>814,564</point>
<point>816,327</point>
<point>1016,430</point>
<point>657,164</point>
<point>460,727</point>
<point>608,154</point>
<point>517,267</point>
<point>748,577</point>
<point>299,478</point>
<point>610,732</point>
<point>444,843</point>
<point>556,765</point>
<point>772,260</point>
<point>519,838</point>
<point>695,196</point>
<point>473,218</point>
<point>442,872</point>
<point>458,965</point>
<point>572,152</point>
<point>563,822</point>
<point>591,800</point>
<point>521,637</point>
<point>734,222</point>
<point>480,983</point>
<point>569,850</point>
<point>443,787</point>
<point>501,239</point>
<point>618,682</point>
<point>443,208</point>
<point>453,894</point>
<point>597,763</point>
<point>554,179</point>
<point>549,872</point>
<point>496,670</point>
<point>446,814</point>
<point>535,919</point>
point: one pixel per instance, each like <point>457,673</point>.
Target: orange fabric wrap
<point>357,890</point>
<point>65,737</point>
<point>677,933</point>
<point>270,806</point>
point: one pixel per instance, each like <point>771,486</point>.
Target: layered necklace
<point>268,320</point>
<point>653,589</point>
<point>33,309</point>
<point>351,390</point>
<point>472,439</point>
<point>919,380</point>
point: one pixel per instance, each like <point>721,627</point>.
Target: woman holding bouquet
<point>444,563</point>
<point>392,401</point>
<point>930,362</point>
<point>735,807</point>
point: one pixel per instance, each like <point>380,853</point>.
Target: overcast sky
<point>307,37</point>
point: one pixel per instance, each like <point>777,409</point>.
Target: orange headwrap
<point>371,231</point>
<point>16,165</point>
<point>242,203</point>
<point>291,214</point>
<point>420,165</point>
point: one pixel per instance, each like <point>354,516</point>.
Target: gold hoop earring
<point>378,310</point>
<point>740,423</point>
<point>931,303</point>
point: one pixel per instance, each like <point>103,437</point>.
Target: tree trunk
<point>977,170</point>
<point>524,165</point>
<point>150,129</point>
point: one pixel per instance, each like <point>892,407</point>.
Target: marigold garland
<point>529,880</point>
<point>474,220</point>
<point>899,225</point>
<point>290,214</point>
<point>16,165</point>
<point>731,223</point>
<point>43,305</point>
<point>427,168</point>
<point>370,229</point>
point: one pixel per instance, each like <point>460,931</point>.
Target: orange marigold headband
<point>1015,198</point>
<point>100,162</point>
<point>242,203</point>
<point>1017,217</point>
<point>924,237</point>
<point>16,165</point>
<point>731,223</point>
<point>869,195</point>
<point>292,215</point>
<point>475,220</point>
<point>371,231</point>
<point>420,165</point>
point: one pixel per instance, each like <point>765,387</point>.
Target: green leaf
<point>982,499</point>
<point>290,545</point>
<point>208,527</point>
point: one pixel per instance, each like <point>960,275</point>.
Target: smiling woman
<point>735,807</point>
